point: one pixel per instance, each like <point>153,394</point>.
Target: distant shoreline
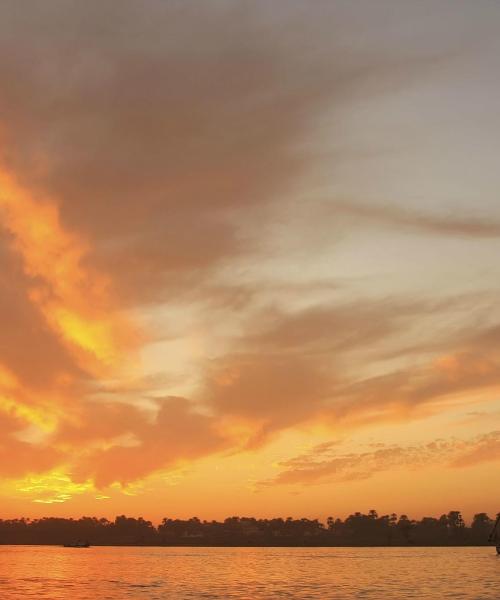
<point>358,530</point>
<point>486,545</point>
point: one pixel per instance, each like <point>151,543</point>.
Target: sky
<point>249,258</point>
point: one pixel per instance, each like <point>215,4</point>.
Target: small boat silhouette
<point>495,535</point>
<point>77,544</point>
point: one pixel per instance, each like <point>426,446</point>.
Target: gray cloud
<point>332,328</point>
<point>153,146</point>
<point>395,216</point>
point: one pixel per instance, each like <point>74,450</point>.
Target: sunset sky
<point>249,257</point>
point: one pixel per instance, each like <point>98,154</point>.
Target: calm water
<point>248,573</point>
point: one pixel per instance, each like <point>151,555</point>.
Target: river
<point>115,573</point>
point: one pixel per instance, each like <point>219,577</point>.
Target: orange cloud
<point>175,434</point>
<point>74,300</point>
<point>326,464</point>
<point>61,328</point>
<point>141,172</point>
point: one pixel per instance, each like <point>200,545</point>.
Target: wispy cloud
<point>430,223</point>
<point>325,464</point>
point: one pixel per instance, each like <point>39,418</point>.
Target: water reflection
<point>248,573</point>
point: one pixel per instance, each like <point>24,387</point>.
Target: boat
<point>495,535</point>
<point>77,544</point>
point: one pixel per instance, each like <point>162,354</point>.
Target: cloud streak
<point>468,226</point>
<point>325,464</point>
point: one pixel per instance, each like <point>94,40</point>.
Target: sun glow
<point>55,487</point>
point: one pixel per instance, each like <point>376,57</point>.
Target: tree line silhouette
<point>356,530</point>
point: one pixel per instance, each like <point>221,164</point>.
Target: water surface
<point>248,573</point>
